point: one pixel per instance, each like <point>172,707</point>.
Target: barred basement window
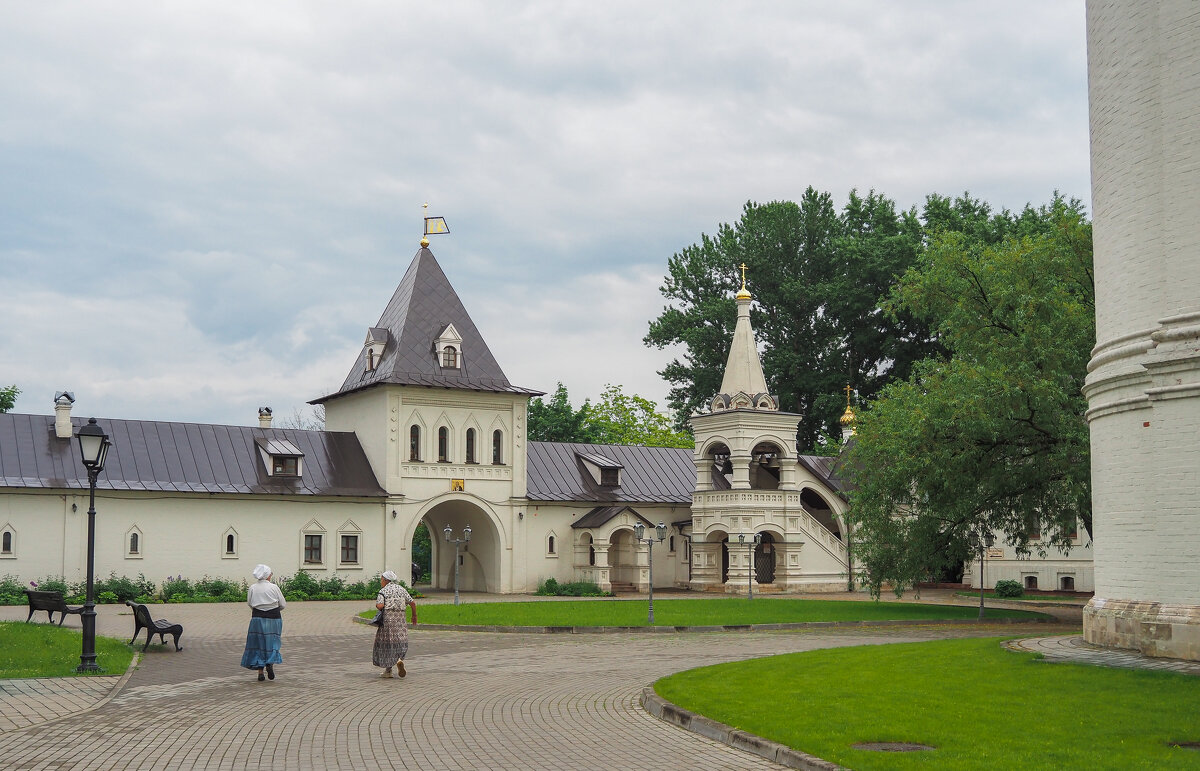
<point>1030,582</point>
<point>312,550</point>
<point>1068,584</point>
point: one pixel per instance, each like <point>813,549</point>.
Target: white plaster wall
<point>1143,385</point>
<point>184,534</point>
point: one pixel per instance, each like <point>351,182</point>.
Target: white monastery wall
<point>187,534</point>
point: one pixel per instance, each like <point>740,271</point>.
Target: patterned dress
<point>391,636</point>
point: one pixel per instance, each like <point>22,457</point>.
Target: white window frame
<point>141,539</point>
<point>314,528</point>
<point>11,554</point>
<point>230,555</point>
<point>349,528</point>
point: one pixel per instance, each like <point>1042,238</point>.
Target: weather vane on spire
<point>433,225</point>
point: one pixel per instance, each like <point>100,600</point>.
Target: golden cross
<point>743,267</point>
<point>847,389</point>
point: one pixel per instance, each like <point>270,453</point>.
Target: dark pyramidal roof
<point>423,305</point>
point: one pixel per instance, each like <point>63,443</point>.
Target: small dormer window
<point>605,472</point>
<point>373,347</point>
<point>281,457</point>
<point>448,348</point>
<point>610,477</point>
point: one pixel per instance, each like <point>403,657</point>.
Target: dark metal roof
<point>423,305</point>
<point>183,457</point>
<point>649,475</point>
<point>602,514</point>
<point>826,469</point>
<point>281,447</point>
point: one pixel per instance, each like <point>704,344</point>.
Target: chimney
<point>62,414</point>
<point>264,417</point>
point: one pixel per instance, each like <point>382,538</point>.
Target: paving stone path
<point>470,700</point>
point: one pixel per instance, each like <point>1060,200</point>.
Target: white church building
<point>428,429</point>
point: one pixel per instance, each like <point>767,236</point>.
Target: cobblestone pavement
<point>1073,648</point>
<point>470,700</point>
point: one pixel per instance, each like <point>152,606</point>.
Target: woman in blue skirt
<point>266,624</point>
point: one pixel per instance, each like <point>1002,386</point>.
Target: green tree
<point>8,397</point>
<point>621,418</point>
<point>555,420</point>
<point>817,277</point>
<point>991,436</point>
<point>422,551</point>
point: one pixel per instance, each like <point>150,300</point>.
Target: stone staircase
<point>622,587</point>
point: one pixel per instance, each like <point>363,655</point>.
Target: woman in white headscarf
<point>266,624</point>
<point>391,636</point>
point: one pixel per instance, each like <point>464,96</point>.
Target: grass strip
<point>979,705</point>
<point>49,650</point>
<point>704,612</point>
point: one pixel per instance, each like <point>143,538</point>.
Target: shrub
<point>12,591</point>
<point>1009,588</point>
<point>552,588</point>
<point>214,587</point>
<point>176,588</point>
<point>301,583</point>
<point>548,588</point>
<point>53,584</point>
<point>333,585</point>
<point>106,598</point>
<point>123,587</point>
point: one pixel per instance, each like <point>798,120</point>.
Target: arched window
<point>449,356</point>
<point>371,361</point>
<point>470,445</point>
<point>6,548</point>
<point>1068,582</point>
<point>133,543</point>
<point>414,443</point>
<point>591,554</point>
<point>549,545</point>
<point>671,544</point>
<point>230,544</point>
<point>497,440</point>
<point>443,445</point>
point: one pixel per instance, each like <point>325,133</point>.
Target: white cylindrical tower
<point>1143,386</point>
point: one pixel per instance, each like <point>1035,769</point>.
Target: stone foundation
<point>1151,628</point>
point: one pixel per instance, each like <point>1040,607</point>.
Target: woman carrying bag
<point>391,634</point>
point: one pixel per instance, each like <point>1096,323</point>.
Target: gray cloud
<point>237,187</point>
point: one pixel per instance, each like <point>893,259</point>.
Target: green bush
<point>123,587</point>
<point>552,588</point>
<point>54,584</point>
<point>176,588</point>
<point>12,591</point>
<point>106,598</point>
<point>301,583</point>
<point>1009,588</point>
<point>333,585</point>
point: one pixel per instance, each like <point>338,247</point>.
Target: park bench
<point>51,602</point>
<point>143,620</point>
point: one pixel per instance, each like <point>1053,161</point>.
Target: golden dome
<point>847,416</point>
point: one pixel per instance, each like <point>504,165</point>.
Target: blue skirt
<point>262,643</point>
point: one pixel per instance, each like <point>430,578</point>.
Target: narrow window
<point>350,548</point>
<point>1068,584</point>
<point>1030,582</point>
<point>591,554</point>
<point>671,544</point>
<point>7,546</point>
<point>550,545</point>
<point>414,443</point>
<point>1073,533</point>
<point>312,549</point>
<point>470,445</point>
<point>133,543</point>
<point>229,544</point>
<point>497,438</point>
<point>461,561</point>
<point>449,356</point>
<point>1033,527</point>
<point>443,445</point>
<point>371,360</point>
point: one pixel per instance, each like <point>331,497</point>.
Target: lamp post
<point>981,543</point>
<point>753,544</point>
<point>93,448</point>
<point>466,538</point>
<point>661,531</point>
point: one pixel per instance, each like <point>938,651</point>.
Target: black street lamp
<point>660,530</point>
<point>466,538</point>
<point>981,543</point>
<point>93,448</point>
<point>753,544</point>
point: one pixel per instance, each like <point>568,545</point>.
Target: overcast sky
<point>203,206</point>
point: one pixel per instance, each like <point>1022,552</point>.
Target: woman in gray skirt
<point>391,636</point>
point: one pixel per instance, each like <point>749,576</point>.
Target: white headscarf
<point>389,575</point>
<point>261,571</point>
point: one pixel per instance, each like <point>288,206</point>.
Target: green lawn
<point>706,612</point>
<point>979,705</point>
<point>48,650</point>
<point>1024,598</point>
